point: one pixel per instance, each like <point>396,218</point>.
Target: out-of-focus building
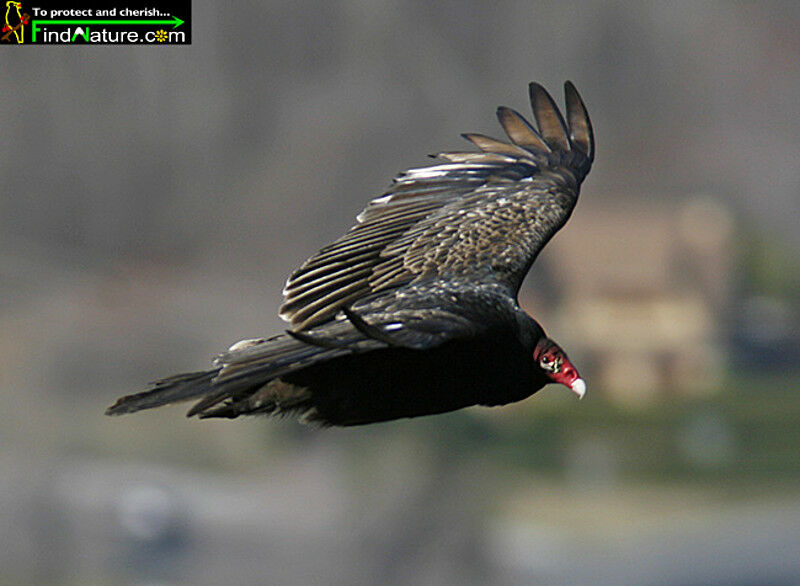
<point>643,292</point>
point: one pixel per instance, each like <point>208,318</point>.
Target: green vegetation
<point>770,267</point>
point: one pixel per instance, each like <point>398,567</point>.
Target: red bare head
<point>556,366</point>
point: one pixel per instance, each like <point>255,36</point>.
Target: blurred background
<point>154,200</point>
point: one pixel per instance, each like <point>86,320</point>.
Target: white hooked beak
<point>578,387</point>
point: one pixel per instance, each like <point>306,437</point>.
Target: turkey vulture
<point>414,310</point>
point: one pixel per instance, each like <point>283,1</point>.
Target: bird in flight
<point>414,310</point>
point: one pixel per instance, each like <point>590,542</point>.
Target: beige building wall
<point>643,291</point>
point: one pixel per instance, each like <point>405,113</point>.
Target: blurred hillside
<point>155,199</point>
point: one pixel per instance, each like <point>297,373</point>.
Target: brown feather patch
<point>520,131</point>
<point>548,118</point>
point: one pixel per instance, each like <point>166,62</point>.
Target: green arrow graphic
<point>37,24</point>
<point>175,21</point>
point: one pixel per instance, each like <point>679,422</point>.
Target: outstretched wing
<point>481,217</point>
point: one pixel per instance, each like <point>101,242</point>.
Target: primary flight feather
<point>414,310</point>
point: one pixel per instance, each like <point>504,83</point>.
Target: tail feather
<point>246,379</point>
<point>181,387</point>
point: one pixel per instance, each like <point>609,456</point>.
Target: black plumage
<point>414,310</point>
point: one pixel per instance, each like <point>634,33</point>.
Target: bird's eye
<point>550,363</point>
